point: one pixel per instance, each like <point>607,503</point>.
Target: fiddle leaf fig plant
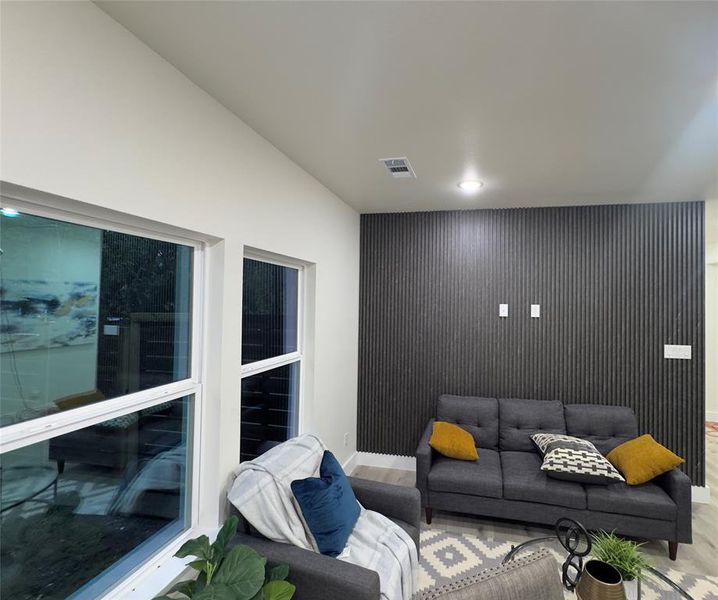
<point>237,573</point>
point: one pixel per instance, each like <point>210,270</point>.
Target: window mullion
<point>31,432</point>
<point>270,363</point>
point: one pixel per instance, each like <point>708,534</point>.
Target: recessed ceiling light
<point>470,185</point>
<point>9,212</point>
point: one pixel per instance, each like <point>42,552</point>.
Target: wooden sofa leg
<point>428,515</point>
<point>672,550</point>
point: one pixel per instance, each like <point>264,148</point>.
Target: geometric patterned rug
<point>448,556</point>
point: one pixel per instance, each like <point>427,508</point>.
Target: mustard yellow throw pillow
<point>452,441</point>
<point>643,458</point>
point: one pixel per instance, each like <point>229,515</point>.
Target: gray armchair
<point>318,577</point>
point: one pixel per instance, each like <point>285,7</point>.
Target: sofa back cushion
<point>478,416</point>
<point>520,419</point>
<point>604,426</point>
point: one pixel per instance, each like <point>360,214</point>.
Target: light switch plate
<point>675,351</point>
<point>535,311</point>
<point>503,310</point>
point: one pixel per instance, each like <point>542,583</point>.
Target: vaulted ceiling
<point>549,103</point>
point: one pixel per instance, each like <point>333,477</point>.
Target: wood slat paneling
<point>614,283</point>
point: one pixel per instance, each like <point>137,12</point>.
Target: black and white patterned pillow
<point>573,459</point>
<point>542,440</point>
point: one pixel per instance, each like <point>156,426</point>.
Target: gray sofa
<point>507,482</point>
<point>319,577</point>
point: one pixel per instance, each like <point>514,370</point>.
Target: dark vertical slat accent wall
<point>615,283</point>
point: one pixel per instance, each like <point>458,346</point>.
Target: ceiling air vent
<point>399,168</point>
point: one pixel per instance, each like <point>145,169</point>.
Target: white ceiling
<point>550,103</point>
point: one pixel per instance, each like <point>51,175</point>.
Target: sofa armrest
<point>394,501</point>
<point>317,577</point>
<point>423,463</point>
<point>678,486</point>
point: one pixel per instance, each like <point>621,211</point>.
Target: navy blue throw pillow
<point>329,506</point>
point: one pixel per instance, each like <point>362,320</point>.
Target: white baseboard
<point>712,415</point>
<point>701,495</point>
<point>350,463</point>
<point>385,461</point>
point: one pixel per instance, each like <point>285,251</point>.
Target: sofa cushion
<point>520,419</point>
<point>573,459</point>
<point>453,441</point>
<point>524,480</point>
<point>478,416</point>
<point>328,505</point>
<point>647,500</point>
<point>643,459</point>
<point>480,478</point>
<point>604,426</point>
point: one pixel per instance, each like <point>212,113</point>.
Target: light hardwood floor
<point>699,558</point>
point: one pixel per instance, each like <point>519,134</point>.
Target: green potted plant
<point>624,555</point>
<point>237,573</point>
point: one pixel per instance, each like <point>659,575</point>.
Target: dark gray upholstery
<point>478,416</point>
<point>639,500</point>
<point>524,480</point>
<point>424,457</point>
<point>520,419</point>
<point>318,577</point>
<point>678,486</point>
<point>604,426</point>
<point>658,510</point>
<point>479,478</point>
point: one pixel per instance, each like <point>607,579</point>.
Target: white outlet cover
<point>535,311</point>
<point>503,310</point>
<point>677,351</point>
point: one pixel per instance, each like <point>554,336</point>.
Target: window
<point>271,355</point>
<point>87,315</point>
<point>98,397</point>
<point>83,509</point>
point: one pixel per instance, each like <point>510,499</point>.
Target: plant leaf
<point>217,592</point>
<point>201,582</point>
<point>198,547</point>
<point>279,573</point>
<point>229,529</point>
<point>278,590</point>
<point>200,565</point>
<point>243,570</point>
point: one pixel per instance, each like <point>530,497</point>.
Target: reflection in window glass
<point>269,310</point>
<point>81,510</point>
<point>87,314</point>
<point>269,407</point>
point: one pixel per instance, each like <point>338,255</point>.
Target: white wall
<point>90,113</point>
<point>711,309</point>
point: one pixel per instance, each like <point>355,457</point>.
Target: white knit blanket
<point>261,492</point>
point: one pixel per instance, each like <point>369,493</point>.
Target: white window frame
<point>274,362</point>
<point>26,433</point>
